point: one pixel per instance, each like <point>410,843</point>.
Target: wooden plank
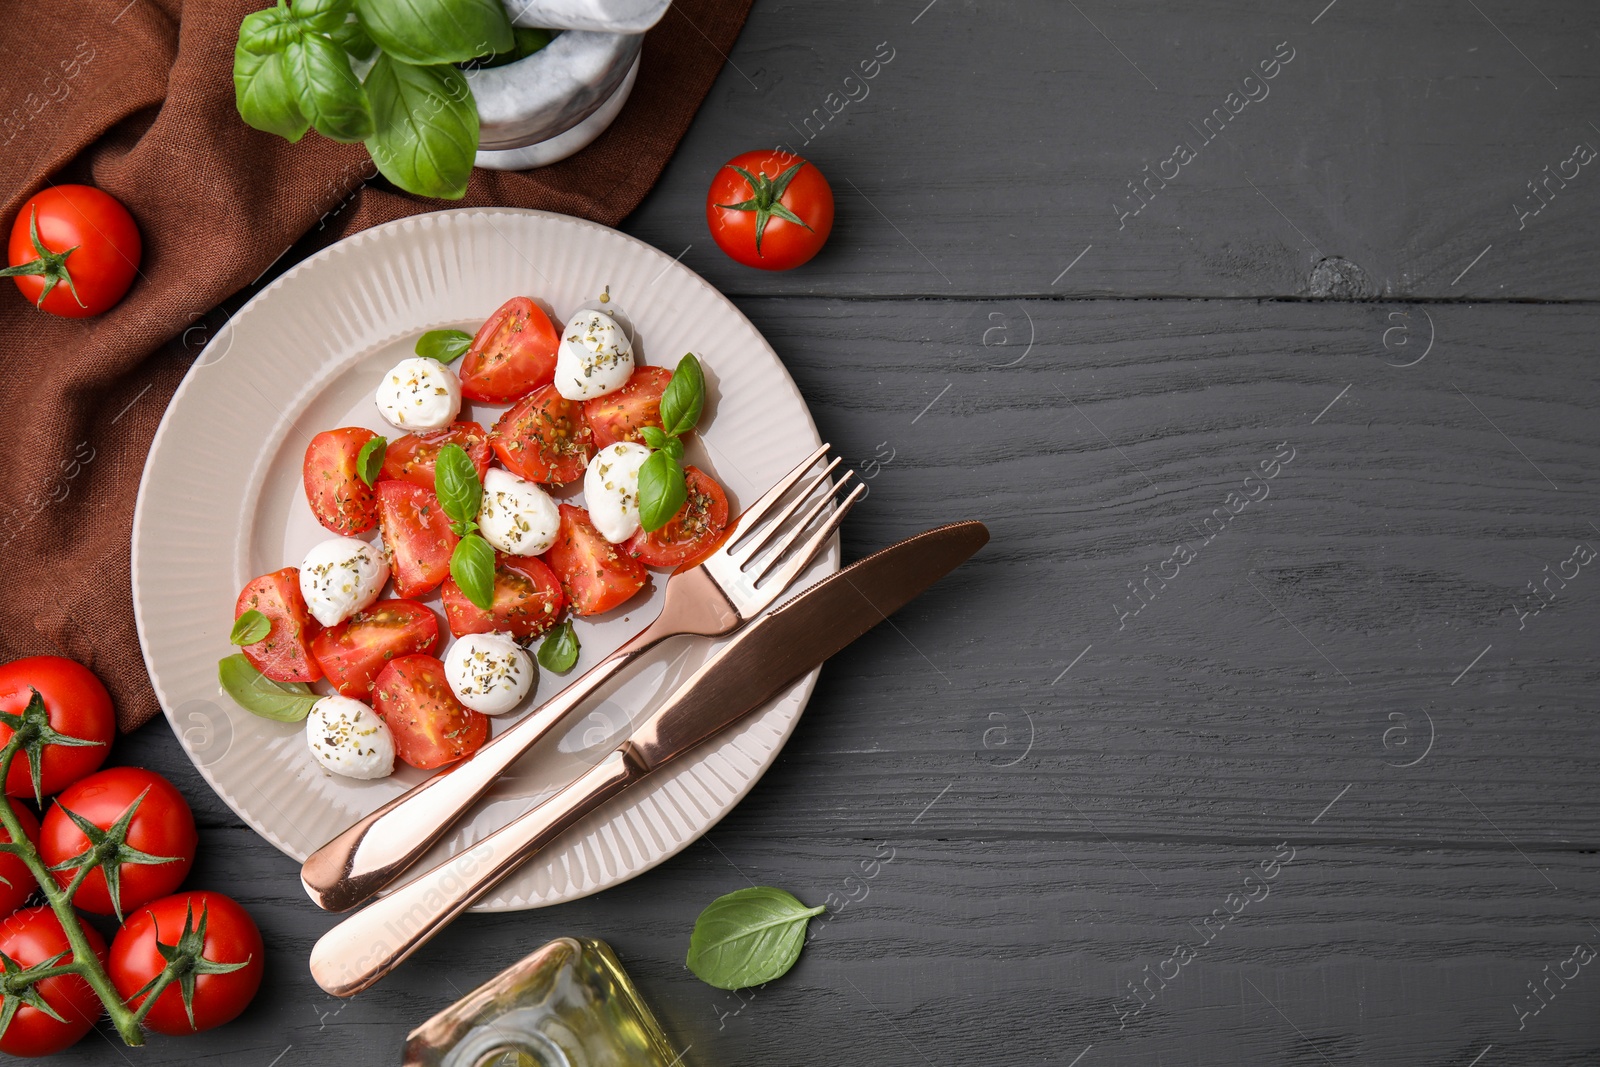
<point>960,950</point>
<point>1000,142</point>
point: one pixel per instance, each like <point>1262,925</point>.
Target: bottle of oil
<point>569,1004</point>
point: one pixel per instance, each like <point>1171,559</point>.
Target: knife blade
<point>741,677</point>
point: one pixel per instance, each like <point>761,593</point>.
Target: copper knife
<point>742,676</point>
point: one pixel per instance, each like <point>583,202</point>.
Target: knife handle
<point>353,867</point>
<point>372,942</point>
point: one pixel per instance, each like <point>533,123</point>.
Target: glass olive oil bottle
<point>569,1004</point>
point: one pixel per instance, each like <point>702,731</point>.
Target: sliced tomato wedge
<point>431,727</point>
<point>339,499</point>
<point>411,458</point>
<point>417,537</point>
<point>513,354</point>
<point>527,600</point>
<point>689,535</point>
<point>595,574</point>
<point>284,655</point>
<point>544,438</point>
<point>352,653</point>
<point>619,416</point>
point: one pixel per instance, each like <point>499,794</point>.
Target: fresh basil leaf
<point>559,650</point>
<point>327,90</point>
<point>369,461</point>
<point>456,483</point>
<point>262,94</point>
<point>249,628</point>
<point>662,490</point>
<point>446,346</point>
<point>748,937</point>
<point>269,32</point>
<point>685,395</point>
<point>461,529</point>
<point>260,695</point>
<point>424,32</point>
<point>323,16</point>
<point>674,448</point>
<point>353,39</point>
<point>425,134</point>
<point>654,436</point>
<point>472,566</point>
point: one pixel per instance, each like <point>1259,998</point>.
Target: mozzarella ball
<point>349,738</point>
<point>420,394</point>
<point>517,516</point>
<point>611,489</point>
<point>489,673</point>
<point>340,576</point>
<point>595,357</point>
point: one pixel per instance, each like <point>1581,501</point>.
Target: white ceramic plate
<point>221,502</point>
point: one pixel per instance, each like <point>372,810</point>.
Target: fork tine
<point>756,512</point>
<point>797,530</point>
<point>780,522</point>
<point>802,559</point>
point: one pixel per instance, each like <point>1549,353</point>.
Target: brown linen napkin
<point>137,98</point>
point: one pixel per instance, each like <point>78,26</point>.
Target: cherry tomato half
<point>284,655</point>
<point>431,727</point>
<point>341,501</point>
<point>595,574</point>
<point>513,354</point>
<point>353,652</point>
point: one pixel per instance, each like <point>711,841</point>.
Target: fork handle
<point>372,942</point>
<point>354,866</point>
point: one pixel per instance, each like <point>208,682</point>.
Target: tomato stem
<point>84,961</point>
<point>51,266</point>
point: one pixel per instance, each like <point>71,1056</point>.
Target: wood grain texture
<point>1000,142</point>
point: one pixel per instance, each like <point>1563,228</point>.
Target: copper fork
<point>765,551</point>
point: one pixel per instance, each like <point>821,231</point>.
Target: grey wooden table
<point>1263,337</point>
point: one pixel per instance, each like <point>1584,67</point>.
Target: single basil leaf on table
<point>559,650</point>
<point>261,93</point>
<point>425,134</point>
<point>369,461</point>
<point>662,490</point>
<point>353,39</point>
<point>260,695</point>
<point>421,32</point>
<point>748,937</point>
<point>456,483</point>
<point>327,90</point>
<point>269,32</point>
<point>323,16</point>
<point>250,628</point>
<point>683,398</point>
<point>472,566</point>
<point>446,346</point>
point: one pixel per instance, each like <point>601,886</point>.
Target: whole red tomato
<point>75,705</point>
<point>771,210</point>
<point>30,937</point>
<point>220,938</point>
<point>16,881</point>
<point>74,250</point>
<point>146,819</point>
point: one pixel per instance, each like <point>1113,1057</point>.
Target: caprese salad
<point>468,513</point>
